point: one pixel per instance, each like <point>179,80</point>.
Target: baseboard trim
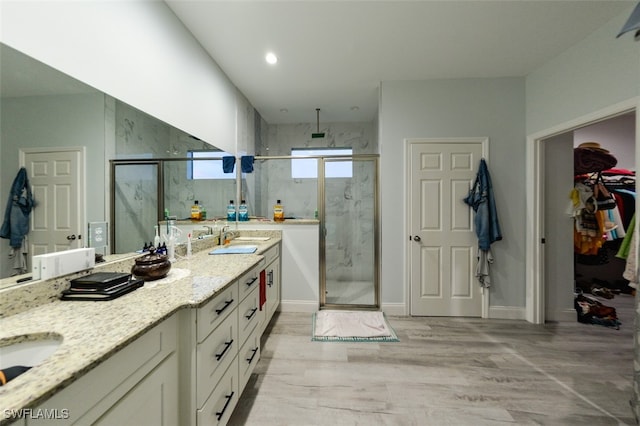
<point>508,312</point>
<point>304,306</point>
<point>564,315</point>
<point>396,309</point>
<point>399,309</point>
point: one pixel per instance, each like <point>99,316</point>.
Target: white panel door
<point>56,181</point>
<point>443,245</point>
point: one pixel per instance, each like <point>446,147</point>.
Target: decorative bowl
<point>152,266</point>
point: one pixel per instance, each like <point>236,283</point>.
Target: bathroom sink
<point>251,239</point>
<point>29,350</point>
<point>235,249</point>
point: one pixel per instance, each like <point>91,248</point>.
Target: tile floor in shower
<point>445,371</point>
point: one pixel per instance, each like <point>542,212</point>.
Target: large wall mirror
<point>44,114</point>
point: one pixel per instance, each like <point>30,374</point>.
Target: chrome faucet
<point>223,234</point>
<point>209,229</point>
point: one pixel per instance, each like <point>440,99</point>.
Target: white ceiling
<point>333,54</point>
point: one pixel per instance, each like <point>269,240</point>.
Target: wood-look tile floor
<point>445,371</point>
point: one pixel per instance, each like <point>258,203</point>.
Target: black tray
<point>101,280</point>
<point>102,295</point>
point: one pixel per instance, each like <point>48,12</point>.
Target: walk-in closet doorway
<point>563,271</point>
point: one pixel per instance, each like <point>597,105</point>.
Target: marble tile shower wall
<point>349,201</point>
<point>272,179</point>
<point>139,135</point>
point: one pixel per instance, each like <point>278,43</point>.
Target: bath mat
<point>352,326</point>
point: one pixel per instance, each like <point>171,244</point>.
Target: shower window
<point>207,169</point>
<point>307,168</point>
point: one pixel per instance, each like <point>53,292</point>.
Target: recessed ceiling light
<point>271,58</point>
<point>355,108</point>
<point>284,110</point>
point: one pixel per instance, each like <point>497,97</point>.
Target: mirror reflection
<point>49,119</point>
<point>47,116</point>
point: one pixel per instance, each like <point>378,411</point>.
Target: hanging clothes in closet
<point>594,207</point>
<point>603,205</point>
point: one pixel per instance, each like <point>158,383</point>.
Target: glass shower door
<point>134,205</point>
<point>348,216</point>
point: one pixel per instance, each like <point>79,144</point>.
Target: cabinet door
<point>94,394</point>
<point>273,289</point>
<point>153,401</point>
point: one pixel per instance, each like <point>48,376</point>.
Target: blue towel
<point>228,163</point>
<point>246,162</point>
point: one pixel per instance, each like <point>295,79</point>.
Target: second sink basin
<point>29,350</point>
<point>234,249</point>
<point>252,238</point>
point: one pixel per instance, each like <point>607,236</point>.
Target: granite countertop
<point>93,331</point>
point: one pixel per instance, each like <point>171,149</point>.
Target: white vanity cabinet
<point>216,361</point>
<point>249,319</point>
<point>137,385</point>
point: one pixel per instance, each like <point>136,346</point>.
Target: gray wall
<point>492,108</point>
<point>616,135</point>
<point>598,72</point>
<point>54,121</point>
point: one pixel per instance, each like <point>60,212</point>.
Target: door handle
<point>71,237</point>
<point>417,238</point>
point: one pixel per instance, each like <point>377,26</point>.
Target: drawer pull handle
<point>255,351</point>
<point>270,278</point>
<point>227,345</point>
<point>226,305</point>
<point>253,312</point>
<point>219,414</point>
<point>249,283</point>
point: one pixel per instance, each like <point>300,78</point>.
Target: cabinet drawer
<point>218,408</point>
<point>248,315</point>
<point>214,355</point>
<point>250,280</point>
<point>216,310</point>
<point>248,358</point>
